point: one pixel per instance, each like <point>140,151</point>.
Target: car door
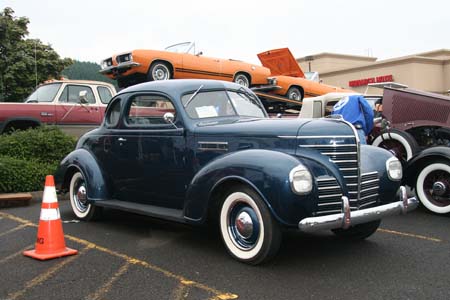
<point>71,114</point>
<point>146,154</point>
<point>199,66</point>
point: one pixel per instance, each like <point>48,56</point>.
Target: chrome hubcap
<point>439,188</point>
<point>160,74</point>
<point>241,80</point>
<point>244,225</point>
<point>81,194</point>
<point>294,96</point>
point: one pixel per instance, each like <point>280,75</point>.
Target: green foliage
<point>27,156</point>
<point>86,71</point>
<point>18,175</point>
<point>24,62</point>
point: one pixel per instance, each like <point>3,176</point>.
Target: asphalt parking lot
<point>135,257</point>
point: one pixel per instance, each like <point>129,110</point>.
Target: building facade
<point>429,71</point>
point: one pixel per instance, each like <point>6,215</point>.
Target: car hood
<point>273,128</point>
<point>281,62</point>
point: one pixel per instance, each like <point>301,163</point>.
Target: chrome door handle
<point>122,140</point>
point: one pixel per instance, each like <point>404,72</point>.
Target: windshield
<point>181,47</point>
<point>221,104</point>
<point>44,93</point>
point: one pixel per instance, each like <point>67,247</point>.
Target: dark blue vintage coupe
<point>197,151</point>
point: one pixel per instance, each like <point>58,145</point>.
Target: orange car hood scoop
<point>281,62</point>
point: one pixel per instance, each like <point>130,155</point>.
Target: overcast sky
<point>93,30</point>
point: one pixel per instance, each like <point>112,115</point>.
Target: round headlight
<point>301,180</point>
<point>394,169</point>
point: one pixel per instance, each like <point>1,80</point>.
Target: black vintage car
<point>201,151</point>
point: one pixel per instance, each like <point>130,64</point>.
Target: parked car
<point>290,77</point>
<point>76,106</point>
<point>177,62</point>
<point>418,133</point>
<point>203,151</point>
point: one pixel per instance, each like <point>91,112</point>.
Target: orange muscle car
<point>290,77</point>
<point>179,61</point>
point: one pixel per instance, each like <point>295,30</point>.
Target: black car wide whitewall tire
<point>78,199</point>
<point>249,232</point>
<point>401,143</point>
<point>433,186</point>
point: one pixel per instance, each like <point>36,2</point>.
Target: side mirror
<point>199,53</point>
<point>82,96</point>
<point>169,117</point>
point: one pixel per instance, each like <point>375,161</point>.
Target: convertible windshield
<point>181,47</point>
<point>221,104</point>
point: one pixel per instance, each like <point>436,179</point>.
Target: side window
<point>71,94</point>
<point>113,114</point>
<point>317,113</point>
<point>105,94</point>
<point>148,110</point>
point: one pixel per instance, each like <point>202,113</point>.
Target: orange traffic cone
<point>50,237</point>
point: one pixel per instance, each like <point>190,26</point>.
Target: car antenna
<point>193,95</point>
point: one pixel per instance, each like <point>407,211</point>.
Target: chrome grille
<point>343,151</point>
<point>330,195</point>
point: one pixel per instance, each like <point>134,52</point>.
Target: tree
<point>86,71</point>
<point>24,63</point>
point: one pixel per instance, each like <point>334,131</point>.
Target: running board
<point>144,209</point>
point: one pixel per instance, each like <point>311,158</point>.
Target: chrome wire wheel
<point>433,187</point>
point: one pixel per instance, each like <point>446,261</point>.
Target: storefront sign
<point>366,81</point>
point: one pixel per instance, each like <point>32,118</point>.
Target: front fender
<point>267,172</point>
<point>83,161</point>
<point>418,162</point>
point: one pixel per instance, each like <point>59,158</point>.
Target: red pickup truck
<point>76,106</point>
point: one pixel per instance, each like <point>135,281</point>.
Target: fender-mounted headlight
<point>394,169</point>
<point>301,180</point>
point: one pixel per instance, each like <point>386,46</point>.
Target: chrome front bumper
<point>349,218</point>
<point>121,66</point>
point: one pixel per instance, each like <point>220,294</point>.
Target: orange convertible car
<point>290,77</point>
<point>179,61</point>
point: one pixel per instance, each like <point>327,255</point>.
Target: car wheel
<point>400,143</point>
<point>78,199</point>
<point>249,231</point>
<point>433,186</point>
<point>159,71</point>
<point>294,93</point>
<point>358,232</point>
<point>242,79</point>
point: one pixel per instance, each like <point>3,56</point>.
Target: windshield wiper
<point>250,96</point>
<point>193,96</point>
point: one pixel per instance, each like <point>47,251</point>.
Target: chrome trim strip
<point>329,211</point>
<point>368,189</point>
<point>340,145</point>
<point>324,136</point>
<point>330,196</point>
<point>326,179</point>
<point>329,187</point>
<point>370,181</point>
<point>213,143</point>
<point>349,218</point>
<point>370,173</point>
<point>369,196</point>
<point>367,204</point>
<point>329,203</point>
<point>338,153</point>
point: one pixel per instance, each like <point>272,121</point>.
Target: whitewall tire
<point>402,144</point>
<point>433,187</point>
<point>78,199</point>
<point>248,230</point>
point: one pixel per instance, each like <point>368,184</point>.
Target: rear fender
<point>83,161</point>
